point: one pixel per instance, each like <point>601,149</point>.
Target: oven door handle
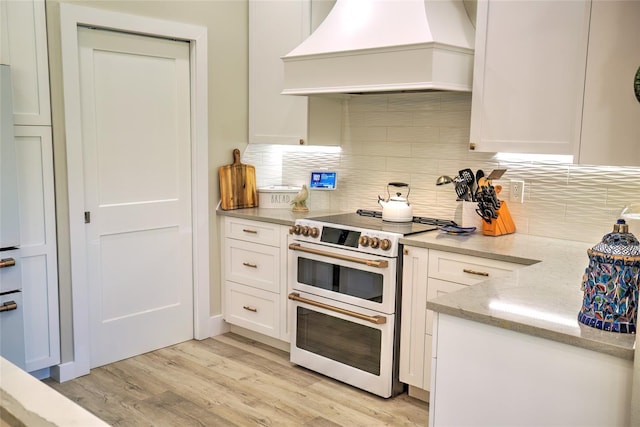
<point>378,320</point>
<point>379,263</point>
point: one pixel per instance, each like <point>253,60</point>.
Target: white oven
<point>344,300</point>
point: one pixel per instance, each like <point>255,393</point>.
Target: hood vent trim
<point>405,46</point>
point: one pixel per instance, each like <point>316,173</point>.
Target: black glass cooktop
<point>372,220</point>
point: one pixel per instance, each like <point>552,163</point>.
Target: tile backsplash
<point>418,137</point>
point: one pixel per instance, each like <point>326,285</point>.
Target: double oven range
<point>345,281</point>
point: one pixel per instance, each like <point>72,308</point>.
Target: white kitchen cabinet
<point>38,252</point>
<point>255,281</point>
<point>492,376</point>
<point>427,274</point>
<point>529,71</point>
<point>275,28</point>
<point>413,317</point>
<point>23,46</point>
<point>611,114</point>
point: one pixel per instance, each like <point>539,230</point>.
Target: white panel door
<point>136,147</point>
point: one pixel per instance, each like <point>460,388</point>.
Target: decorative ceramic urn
<point>610,282</point>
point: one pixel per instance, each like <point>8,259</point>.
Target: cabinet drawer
<point>466,269</point>
<point>252,264</point>
<point>253,231</point>
<point>10,275</point>
<point>252,308</point>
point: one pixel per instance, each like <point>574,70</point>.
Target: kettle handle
<point>399,184</point>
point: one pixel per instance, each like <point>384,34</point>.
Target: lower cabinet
<point>427,274</point>
<point>254,276</point>
<point>38,249</point>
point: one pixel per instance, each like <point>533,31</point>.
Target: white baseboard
<point>217,325</point>
<point>66,371</point>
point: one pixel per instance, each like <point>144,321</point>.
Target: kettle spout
<point>381,201</point>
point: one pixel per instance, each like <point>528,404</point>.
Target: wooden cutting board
<point>237,185</point>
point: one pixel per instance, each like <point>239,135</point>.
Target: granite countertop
<point>542,298</point>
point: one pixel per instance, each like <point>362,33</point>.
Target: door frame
<point>72,16</point>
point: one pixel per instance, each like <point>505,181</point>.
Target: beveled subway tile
<point>423,134</point>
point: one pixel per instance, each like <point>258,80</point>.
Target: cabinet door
<point>529,76</point>
<point>435,288</point>
<point>275,28</point>
<point>611,116</point>
<point>412,330</point>
<point>38,246</point>
<point>23,46</point>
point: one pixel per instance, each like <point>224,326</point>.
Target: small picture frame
<point>323,180</point>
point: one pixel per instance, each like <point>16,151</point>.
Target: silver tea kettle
<point>396,208</point>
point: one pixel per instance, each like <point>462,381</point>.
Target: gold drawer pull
<point>248,264</point>
<point>7,262</point>
<point>477,273</point>
<point>248,230</point>
<point>249,308</point>
<point>8,306</point>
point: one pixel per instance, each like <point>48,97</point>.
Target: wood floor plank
<point>230,380</point>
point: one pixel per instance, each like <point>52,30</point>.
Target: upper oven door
<point>363,280</point>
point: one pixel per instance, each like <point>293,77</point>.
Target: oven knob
<point>363,241</point>
<point>294,230</point>
<point>385,244</point>
<point>314,232</point>
<point>304,230</point>
<point>375,242</point>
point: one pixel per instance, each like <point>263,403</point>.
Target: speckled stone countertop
<point>542,299</point>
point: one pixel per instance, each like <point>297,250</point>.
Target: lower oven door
<point>350,344</point>
<point>360,279</point>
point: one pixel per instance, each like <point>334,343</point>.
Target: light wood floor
<point>229,380</point>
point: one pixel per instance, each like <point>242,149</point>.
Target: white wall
<point>417,137</point>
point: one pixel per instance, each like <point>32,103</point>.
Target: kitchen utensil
<point>444,179</point>
<point>462,189</point>
<point>479,176</point>
<point>237,184</point>
<point>454,229</point>
<point>496,174</point>
<point>396,208</point>
<point>469,178</point>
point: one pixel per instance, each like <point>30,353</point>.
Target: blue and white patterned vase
<point>610,282</point>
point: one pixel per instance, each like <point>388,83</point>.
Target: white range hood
<point>366,46</point>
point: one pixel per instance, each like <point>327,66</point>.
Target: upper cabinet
<point>611,115</point>
<point>23,46</point>
<point>275,28</point>
<point>557,78</point>
<point>529,75</point>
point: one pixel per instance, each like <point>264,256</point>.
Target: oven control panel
<point>346,237</point>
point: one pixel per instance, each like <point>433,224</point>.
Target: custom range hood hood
<point>370,46</point>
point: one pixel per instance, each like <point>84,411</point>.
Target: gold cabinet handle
<point>477,273</point>
<point>248,264</point>
<point>8,306</point>
<point>249,308</point>
<point>248,230</point>
<point>472,146</point>
<point>380,263</point>
<point>378,320</point>
<point>7,262</point>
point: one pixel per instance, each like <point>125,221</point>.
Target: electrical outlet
<point>517,190</point>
